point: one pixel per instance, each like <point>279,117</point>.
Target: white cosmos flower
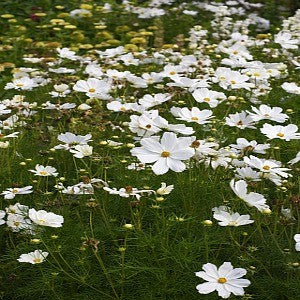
<point>4,110</point>
<point>291,87</point>
<point>2,215</point>
<point>44,218</point>
<point>267,166</point>
<point>265,112</point>
<point>225,280</point>
<point>212,98</point>
<point>252,199</point>
<point>94,88</point>
<point>150,101</point>
<point>285,40</point>
<point>23,83</point>
<point>297,240</point>
<point>247,173</point>
<point>166,154</point>
<point>81,151</point>
<point>240,120</point>
<point>194,115</point>
<point>71,140</point>
<point>18,222</point>
<point>226,218</point>
<point>164,189</point>
<point>36,257</point>
<point>44,171</point>
<point>286,133</point>
<point>243,146</point>
<point>295,160</point>
<point>11,193</point>
<point>127,191</point>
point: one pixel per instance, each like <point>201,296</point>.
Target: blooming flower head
<point>12,192</point>
<point>226,218</point>
<point>36,257</point>
<point>167,153</point>
<point>44,218</point>
<point>286,133</point>
<point>297,240</point>
<point>81,151</point>
<point>44,171</point>
<point>225,280</point>
<point>251,199</point>
<point>164,189</point>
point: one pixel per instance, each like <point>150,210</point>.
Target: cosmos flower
<point>226,218</point>
<point>286,133</point>
<point>11,193</point>
<point>44,218</point>
<point>297,240</point>
<point>265,112</point>
<point>240,120</point>
<point>164,189</point>
<point>80,151</point>
<point>251,199</point>
<point>36,257</point>
<point>194,115</point>
<point>225,280</point>
<point>166,154</point>
<point>44,171</point>
<point>71,140</point>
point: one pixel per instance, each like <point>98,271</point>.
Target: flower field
<point>149,150</point>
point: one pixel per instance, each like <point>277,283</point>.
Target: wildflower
<point>295,160</point>
<point>164,189</point>
<point>252,199</point>
<point>226,218</point>
<point>167,154</point>
<point>12,192</point>
<point>240,120</point>
<point>297,240</point>
<point>36,257</point>
<point>225,280</point>
<point>93,88</point>
<point>44,171</point>
<point>2,215</point>
<point>71,140</point>
<point>243,146</point>
<point>212,98</point>
<point>265,112</point>
<point>81,151</point>
<point>286,133</point>
<point>43,218</point>
<point>194,115</point>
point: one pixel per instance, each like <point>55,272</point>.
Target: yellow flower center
<point>16,223</point>
<point>172,73</point>
<point>267,168</point>
<point>206,99</point>
<point>37,260</point>
<point>266,115</point>
<point>235,52</point>
<point>41,221</point>
<point>239,123</point>
<point>92,90</point>
<point>232,223</point>
<point>19,84</point>
<point>280,134</point>
<point>232,81</point>
<point>222,280</point>
<point>15,191</point>
<point>256,74</point>
<point>195,119</point>
<point>43,173</point>
<point>165,154</point>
